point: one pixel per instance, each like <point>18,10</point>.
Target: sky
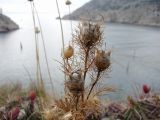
<point>43,6</point>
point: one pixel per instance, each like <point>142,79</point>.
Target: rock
<point>142,12</point>
<point>6,24</point>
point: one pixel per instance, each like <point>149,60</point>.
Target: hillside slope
<point>143,12</point>
<point>6,24</point>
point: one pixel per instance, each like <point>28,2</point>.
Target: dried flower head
<point>75,82</point>
<point>68,2</point>
<point>37,30</point>
<point>102,60</point>
<point>88,35</point>
<point>68,52</point>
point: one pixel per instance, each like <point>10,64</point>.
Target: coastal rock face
<point>143,12</point>
<point>6,24</point>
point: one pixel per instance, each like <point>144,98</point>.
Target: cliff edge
<point>6,24</point>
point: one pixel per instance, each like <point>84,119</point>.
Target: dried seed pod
<point>37,30</point>
<point>102,60</point>
<point>88,35</point>
<point>75,82</point>
<point>91,34</point>
<point>76,76</point>
<point>68,52</point>
<point>68,2</point>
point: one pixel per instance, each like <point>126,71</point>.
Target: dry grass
<point>10,92</point>
<point>147,108</point>
<point>65,110</point>
<point>14,95</point>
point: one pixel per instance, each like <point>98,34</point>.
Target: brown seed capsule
<point>37,30</point>
<point>102,60</point>
<point>68,52</point>
<point>68,2</point>
<point>75,82</point>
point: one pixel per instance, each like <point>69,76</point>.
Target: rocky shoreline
<point>6,24</point>
<point>137,12</point>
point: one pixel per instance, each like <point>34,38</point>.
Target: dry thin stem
<point>95,82</point>
<point>62,34</point>
<point>38,72</point>
<point>45,51</point>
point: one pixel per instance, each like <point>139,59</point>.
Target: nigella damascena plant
<point>88,35</point>
<point>68,52</point>
<point>102,59</point>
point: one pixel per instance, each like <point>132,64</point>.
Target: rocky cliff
<point>143,12</point>
<point>6,24</point>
